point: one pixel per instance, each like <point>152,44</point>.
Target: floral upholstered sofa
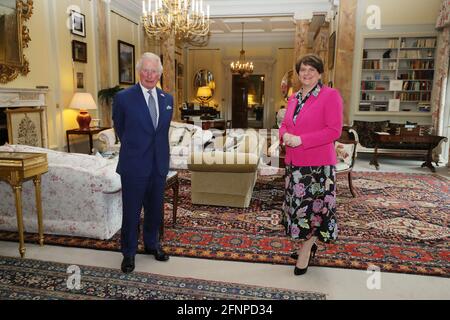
<point>81,196</point>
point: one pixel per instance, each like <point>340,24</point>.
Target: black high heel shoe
<point>294,255</point>
<point>312,254</point>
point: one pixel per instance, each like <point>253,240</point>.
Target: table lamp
<point>204,94</point>
<point>83,102</point>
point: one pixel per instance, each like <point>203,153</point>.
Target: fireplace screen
<point>25,126</point>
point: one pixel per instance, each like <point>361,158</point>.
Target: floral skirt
<point>309,207</point>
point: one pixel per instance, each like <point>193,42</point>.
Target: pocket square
<point>169,108</point>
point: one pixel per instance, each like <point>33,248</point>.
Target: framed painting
<point>126,63</point>
<point>79,51</point>
<point>26,126</point>
<point>77,23</point>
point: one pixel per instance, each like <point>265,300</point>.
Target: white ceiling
<point>262,19</point>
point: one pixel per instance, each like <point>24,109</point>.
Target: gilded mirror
<point>204,84</point>
<point>14,37</point>
<point>287,84</point>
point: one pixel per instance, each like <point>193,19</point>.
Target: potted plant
<point>105,97</point>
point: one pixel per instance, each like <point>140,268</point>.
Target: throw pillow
<point>176,135</point>
<point>344,152</point>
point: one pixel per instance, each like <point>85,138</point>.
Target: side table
<point>90,132</point>
<point>15,168</point>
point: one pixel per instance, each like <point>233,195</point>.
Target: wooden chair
<point>345,148</point>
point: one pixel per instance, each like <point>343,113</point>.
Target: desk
<point>15,168</point>
<point>430,140</point>
<point>90,132</point>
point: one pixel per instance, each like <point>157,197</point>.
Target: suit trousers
<point>138,192</point>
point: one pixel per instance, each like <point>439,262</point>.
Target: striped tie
<point>152,108</point>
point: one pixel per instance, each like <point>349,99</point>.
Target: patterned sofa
<point>81,196</point>
<point>184,139</point>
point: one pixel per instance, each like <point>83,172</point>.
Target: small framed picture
<point>78,23</point>
<point>126,63</point>
<point>80,80</point>
<point>79,51</point>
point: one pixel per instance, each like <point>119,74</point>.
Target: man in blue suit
<point>142,116</point>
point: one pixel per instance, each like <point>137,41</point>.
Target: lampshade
<point>83,102</point>
<point>204,94</point>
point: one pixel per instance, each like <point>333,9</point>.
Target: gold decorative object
<point>16,35</point>
<point>242,67</point>
<point>185,19</point>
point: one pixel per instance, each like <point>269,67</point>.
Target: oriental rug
<point>398,222</point>
<point>26,279</point>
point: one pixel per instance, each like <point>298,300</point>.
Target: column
<point>345,47</point>
<point>300,47</point>
<point>440,76</point>
<point>104,58</point>
<point>320,47</point>
<point>168,53</point>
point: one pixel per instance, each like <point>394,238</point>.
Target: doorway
<point>248,101</point>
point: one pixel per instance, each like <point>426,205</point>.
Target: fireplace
<point>29,100</point>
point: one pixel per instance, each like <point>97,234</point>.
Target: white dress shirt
<point>155,97</point>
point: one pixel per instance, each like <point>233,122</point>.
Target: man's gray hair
<point>149,56</point>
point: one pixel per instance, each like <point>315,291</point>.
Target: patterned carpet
<point>398,222</point>
<point>38,280</point>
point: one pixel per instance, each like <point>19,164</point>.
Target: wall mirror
<point>14,37</point>
<point>204,84</point>
<point>287,84</point>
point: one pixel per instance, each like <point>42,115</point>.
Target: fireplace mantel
<point>13,97</point>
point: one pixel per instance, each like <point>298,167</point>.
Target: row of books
<point>417,85</point>
<point>415,54</point>
<point>417,74</point>
<point>416,96</point>
<point>378,64</point>
<point>418,64</point>
<point>423,43</point>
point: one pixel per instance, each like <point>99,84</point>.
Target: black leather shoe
<point>159,253</point>
<point>127,264</point>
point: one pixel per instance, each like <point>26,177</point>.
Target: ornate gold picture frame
<point>25,126</point>
<point>14,37</point>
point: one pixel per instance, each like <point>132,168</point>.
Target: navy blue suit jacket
<point>142,146</point>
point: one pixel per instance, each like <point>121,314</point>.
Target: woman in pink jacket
<point>312,123</point>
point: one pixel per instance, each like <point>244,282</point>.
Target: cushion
<point>344,152</point>
<point>366,131</point>
<point>176,135</point>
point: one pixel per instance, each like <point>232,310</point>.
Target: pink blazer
<point>318,124</point>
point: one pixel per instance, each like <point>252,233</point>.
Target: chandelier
<point>241,66</point>
<point>186,19</point>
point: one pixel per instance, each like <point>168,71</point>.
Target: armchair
<point>345,148</point>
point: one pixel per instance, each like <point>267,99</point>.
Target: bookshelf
<point>397,76</point>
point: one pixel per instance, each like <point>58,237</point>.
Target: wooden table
<point>171,182</point>
<point>15,168</point>
<point>90,132</point>
<point>430,140</point>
